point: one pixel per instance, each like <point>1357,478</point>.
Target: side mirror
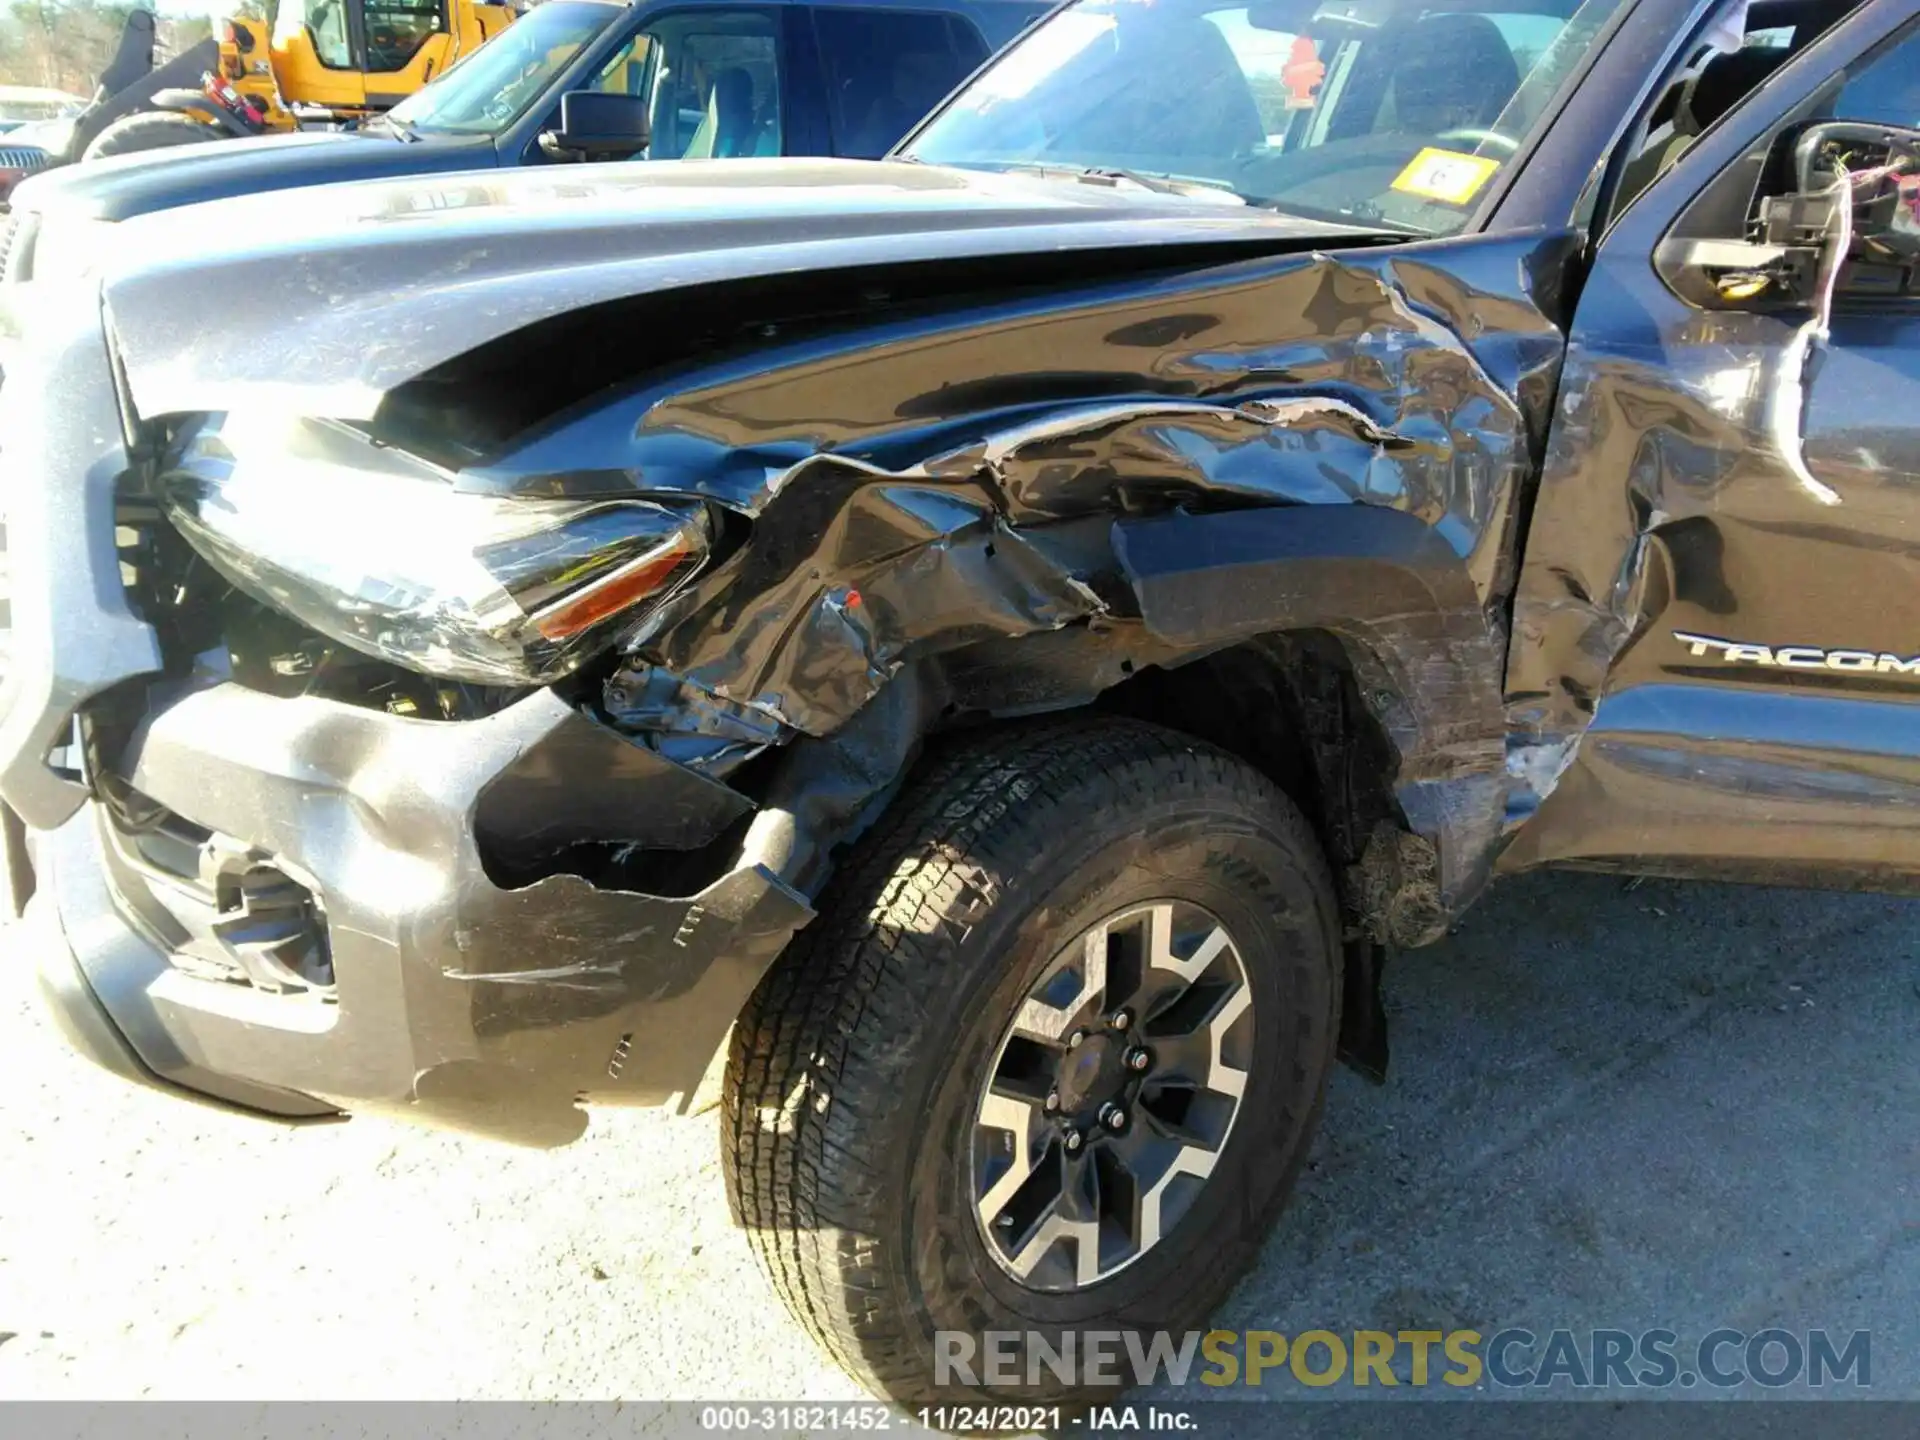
<point>1823,149</point>
<point>1882,163</point>
<point>1789,244</point>
<point>595,125</point>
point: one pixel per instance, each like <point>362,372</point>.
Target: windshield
<point>1394,113</point>
<point>496,84</point>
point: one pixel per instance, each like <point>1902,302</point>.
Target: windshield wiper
<point>1111,174</point>
<point>1163,184</point>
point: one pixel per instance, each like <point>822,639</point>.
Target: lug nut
<point>1138,1058</point>
<point>1053,1101</point>
<point>1121,1019</point>
<point>1073,1040</point>
<point>1073,1142</point>
<point>1113,1117</point>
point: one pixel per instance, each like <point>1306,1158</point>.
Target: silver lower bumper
<point>456,1002</point>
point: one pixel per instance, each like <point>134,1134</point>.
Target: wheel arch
<point>1339,652</point>
<point>1371,622</point>
<point>1339,649</point>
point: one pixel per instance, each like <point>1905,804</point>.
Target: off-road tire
<point>851,1075</point>
<point>149,130</point>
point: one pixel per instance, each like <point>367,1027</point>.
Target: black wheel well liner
<point>1289,704</point>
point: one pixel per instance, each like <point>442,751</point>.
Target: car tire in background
<point>1048,1060</point>
<point>150,130</point>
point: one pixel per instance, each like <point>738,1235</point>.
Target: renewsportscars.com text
<point>1513,1359</point>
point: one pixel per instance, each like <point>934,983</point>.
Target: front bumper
<point>116,951</point>
<point>339,849</point>
<point>455,1002</point>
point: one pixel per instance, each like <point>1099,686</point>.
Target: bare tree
<point>64,44</point>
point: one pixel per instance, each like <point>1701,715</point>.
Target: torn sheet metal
<point>1787,405</point>
<point>808,637</point>
<point>1009,495</point>
<point>911,483</point>
<point>900,514</point>
<point>574,785</point>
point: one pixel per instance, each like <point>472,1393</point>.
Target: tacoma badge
<point>1800,657</point>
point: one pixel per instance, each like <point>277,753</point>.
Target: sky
<point>180,9</point>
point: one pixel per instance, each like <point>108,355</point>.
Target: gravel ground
<point>1612,1106</point>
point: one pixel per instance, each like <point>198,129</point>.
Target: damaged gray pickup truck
<point>1011,634</point>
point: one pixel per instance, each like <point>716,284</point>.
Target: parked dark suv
<point>669,80</point>
<point>1010,635</point>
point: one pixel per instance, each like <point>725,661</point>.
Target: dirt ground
<point>1632,1107</point>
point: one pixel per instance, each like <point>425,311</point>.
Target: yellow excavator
<point>321,62</point>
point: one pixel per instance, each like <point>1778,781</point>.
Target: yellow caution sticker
<point>1446,176</point>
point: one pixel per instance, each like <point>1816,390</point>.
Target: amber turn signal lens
<point>612,593</point>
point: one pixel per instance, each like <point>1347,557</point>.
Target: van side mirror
<point>596,125</point>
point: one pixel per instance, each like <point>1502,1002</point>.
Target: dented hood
<point>324,299</point>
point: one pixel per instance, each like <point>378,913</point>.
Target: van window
<point>716,86</point>
<point>887,68</point>
<point>1886,89</point>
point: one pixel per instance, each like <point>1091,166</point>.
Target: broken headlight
<point>377,549</point>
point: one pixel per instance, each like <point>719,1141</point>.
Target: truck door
<point>1715,662</point>
<point>717,79</point>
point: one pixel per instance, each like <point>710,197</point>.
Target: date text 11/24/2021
<point>945,1419</point>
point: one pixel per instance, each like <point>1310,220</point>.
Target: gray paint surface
<point>422,269</point>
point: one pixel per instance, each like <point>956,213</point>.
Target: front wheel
<point>1047,1062</point>
<point>150,130</point>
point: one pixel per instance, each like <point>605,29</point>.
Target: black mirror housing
<point>1788,242</point>
<point>1884,164</point>
<point>597,125</point>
